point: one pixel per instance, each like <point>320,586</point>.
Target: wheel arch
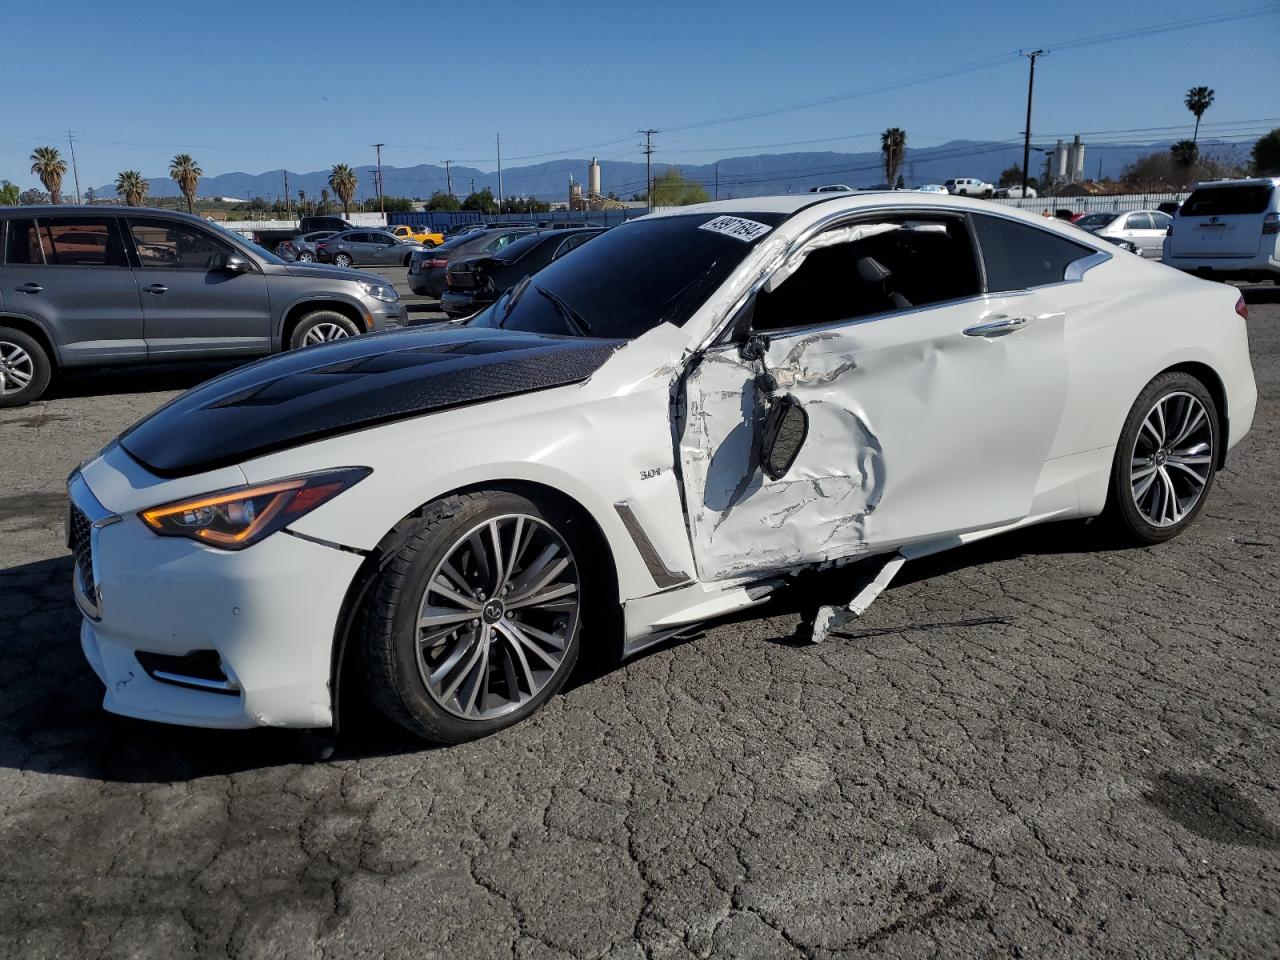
<point>343,654</point>
<point>35,330</point>
<point>299,310</point>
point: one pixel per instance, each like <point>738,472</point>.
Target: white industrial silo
<point>593,179</point>
<point>1077,159</point>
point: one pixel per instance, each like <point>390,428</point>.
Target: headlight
<point>240,517</point>
<point>380,291</point>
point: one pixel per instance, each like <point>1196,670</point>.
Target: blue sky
<point>249,86</point>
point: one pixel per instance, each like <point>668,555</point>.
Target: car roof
<point>1242,182</point>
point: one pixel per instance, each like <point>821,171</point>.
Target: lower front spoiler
<point>130,692</point>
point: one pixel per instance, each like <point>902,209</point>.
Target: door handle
<point>30,287</point>
<point>996,326</point>
<point>156,288</point>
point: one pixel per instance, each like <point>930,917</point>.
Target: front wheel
<point>342,260</point>
<point>473,622</point>
<point>1166,460</point>
<point>321,326</point>
<point>25,368</point>
<point>306,256</point>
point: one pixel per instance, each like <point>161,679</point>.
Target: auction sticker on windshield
<point>738,227</point>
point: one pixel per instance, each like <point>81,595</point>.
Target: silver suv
<point>90,287</point>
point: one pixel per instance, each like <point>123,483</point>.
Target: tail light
<point>322,245</point>
<point>438,263</point>
<point>1242,308</point>
<point>1271,223</point>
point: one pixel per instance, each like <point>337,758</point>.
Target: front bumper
<point>269,614</point>
<point>387,316</point>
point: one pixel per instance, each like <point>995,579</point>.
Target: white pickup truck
<point>969,187</point>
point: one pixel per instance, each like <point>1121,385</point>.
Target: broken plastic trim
<point>833,618</point>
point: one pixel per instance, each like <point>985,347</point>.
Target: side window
<point>916,262</point>
<point>64,242</point>
<point>176,246</point>
<point>1161,220</point>
<point>1138,221</point>
<point>1018,256</point>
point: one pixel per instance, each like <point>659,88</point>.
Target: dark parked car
<point>427,269</point>
<point>475,282</point>
<point>303,247</point>
<point>88,286</point>
<point>366,246</point>
<point>568,225</point>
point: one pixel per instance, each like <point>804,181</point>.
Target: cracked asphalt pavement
<point>1036,746</point>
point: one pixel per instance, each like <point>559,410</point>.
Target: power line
<point>648,177</point>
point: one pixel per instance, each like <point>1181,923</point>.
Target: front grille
<point>79,540</point>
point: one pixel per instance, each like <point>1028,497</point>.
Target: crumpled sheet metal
<point>818,511</point>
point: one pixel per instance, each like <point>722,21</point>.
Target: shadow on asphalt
<point>1253,295</point>
<point>51,719</point>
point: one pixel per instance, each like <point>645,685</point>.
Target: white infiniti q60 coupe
<point>656,430</point>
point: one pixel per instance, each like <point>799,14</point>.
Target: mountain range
<point>745,176</point>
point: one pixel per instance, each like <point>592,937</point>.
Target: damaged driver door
<point>929,408</point>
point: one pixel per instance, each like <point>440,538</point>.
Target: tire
<point>408,258</point>
<point>306,256</point>
<point>429,244</point>
<point>475,675</point>
<point>321,326</point>
<point>342,260</point>
<point>25,368</point>
<point>1152,462</point>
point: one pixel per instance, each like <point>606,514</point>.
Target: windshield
<point>632,278</point>
<point>1095,220</point>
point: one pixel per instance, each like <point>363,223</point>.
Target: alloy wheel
<point>306,257</point>
<point>324,332</point>
<point>1172,459</point>
<point>497,617</point>
<point>16,368</point>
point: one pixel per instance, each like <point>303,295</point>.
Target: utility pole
<point>499,136</point>
<point>648,177</point>
<point>74,169</point>
<point>382,207</point>
<point>288,211</point>
<point>717,181</point>
<point>1026,138</point>
<point>448,177</point>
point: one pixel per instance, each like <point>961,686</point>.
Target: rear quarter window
<point>1018,256</point>
<point>1228,201</point>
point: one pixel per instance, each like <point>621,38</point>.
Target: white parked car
<point>830,188</point>
<point>932,188</point>
<point>969,187</point>
<point>1228,229</point>
<point>1145,229</point>
<point>1014,192</point>
<point>658,430</point>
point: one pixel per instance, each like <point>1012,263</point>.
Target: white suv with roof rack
<point>1228,229</point>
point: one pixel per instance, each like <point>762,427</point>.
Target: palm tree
<point>1185,153</point>
<point>343,180</point>
<point>1198,100</point>
<point>131,185</point>
<point>186,173</point>
<point>50,168</point>
<point>893,143</point>
<point>324,201</point>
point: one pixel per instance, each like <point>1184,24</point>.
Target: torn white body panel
<point>833,618</point>
<point>917,430</point>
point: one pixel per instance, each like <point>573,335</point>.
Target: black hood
<point>341,386</point>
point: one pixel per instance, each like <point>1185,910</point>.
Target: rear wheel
<point>474,620</point>
<point>321,326</point>
<point>25,368</point>
<point>342,259</point>
<point>1166,459</point>
<point>306,256</point>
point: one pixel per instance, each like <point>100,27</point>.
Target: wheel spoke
<point>481,644</point>
<point>514,646</point>
<point>517,636</point>
<point>550,639</point>
<point>539,573</point>
<point>429,617</point>
<point>541,599</point>
<point>455,656</point>
<point>478,684</point>
<point>500,574</point>
<point>1191,419</point>
<point>442,588</point>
